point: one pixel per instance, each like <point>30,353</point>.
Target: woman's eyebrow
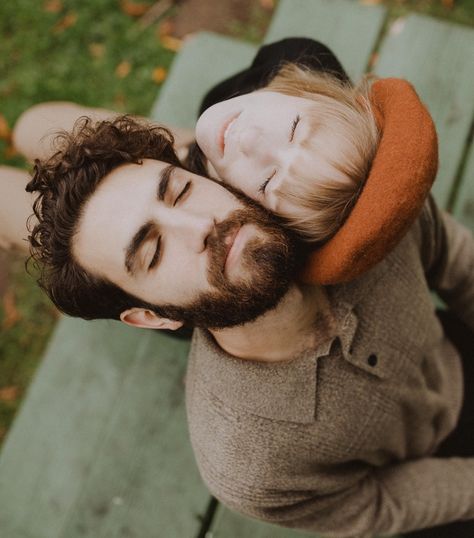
<point>165,176</point>
<point>135,244</point>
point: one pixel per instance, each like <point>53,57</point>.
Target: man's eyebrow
<point>135,244</point>
<point>165,176</point>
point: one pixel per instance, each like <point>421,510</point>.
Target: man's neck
<point>301,321</point>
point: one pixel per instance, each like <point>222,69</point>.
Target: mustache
<point>267,265</point>
<point>270,232</point>
<point>218,243</point>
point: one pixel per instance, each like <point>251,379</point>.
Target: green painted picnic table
<point>100,447</point>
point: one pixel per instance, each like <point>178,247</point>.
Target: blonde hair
<point>322,199</point>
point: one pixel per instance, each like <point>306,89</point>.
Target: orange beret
<point>399,181</point>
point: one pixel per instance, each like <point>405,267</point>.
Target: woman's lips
<point>224,132</point>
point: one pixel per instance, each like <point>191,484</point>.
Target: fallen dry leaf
<point>448,3</point>
<point>267,4</point>
<point>158,74</point>
<point>5,131</point>
<point>134,9</point>
<point>10,152</point>
<point>171,43</point>
<point>155,12</point>
<point>164,33</point>
<point>166,28</point>
<point>123,69</point>
<point>12,316</point>
<point>53,6</point>
<point>120,101</point>
<point>12,86</point>
<point>9,394</point>
<point>66,22</point>
<point>97,50</point>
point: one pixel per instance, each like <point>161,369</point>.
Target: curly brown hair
<point>64,182</point>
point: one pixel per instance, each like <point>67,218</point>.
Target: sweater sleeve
<point>398,498</point>
<point>447,251</point>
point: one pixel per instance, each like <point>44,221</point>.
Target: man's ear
<point>147,319</point>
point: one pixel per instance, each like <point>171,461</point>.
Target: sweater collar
<point>278,391</point>
<point>284,390</point>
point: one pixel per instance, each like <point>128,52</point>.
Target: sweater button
<point>372,360</point>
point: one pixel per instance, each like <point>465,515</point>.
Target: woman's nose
<point>252,143</point>
<point>247,139</point>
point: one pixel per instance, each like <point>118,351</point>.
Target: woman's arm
<point>37,127</point>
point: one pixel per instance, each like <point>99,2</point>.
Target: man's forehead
<point>111,214</point>
<point>128,172</point>
<point>149,168</point>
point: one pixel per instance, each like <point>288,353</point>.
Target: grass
<point>23,341</point>
<point>74,54</point>
<point>88,52</point>
<point>95,54</point>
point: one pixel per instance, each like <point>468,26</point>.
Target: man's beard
<point>267,265</point>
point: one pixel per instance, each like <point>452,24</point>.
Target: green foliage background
<point>42,60</point>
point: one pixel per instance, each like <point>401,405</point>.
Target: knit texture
<point>341,440</point>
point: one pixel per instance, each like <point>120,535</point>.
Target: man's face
<point>185,244</point>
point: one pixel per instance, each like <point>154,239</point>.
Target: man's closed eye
<point>183,192</point>
<point>156,255</point>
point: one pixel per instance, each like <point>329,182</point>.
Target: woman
<point>301,146</point>
<point>294,134</point>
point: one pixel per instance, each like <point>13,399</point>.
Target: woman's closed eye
<point>293,127</point>
<point>263,186</point>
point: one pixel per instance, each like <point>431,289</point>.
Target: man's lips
<point>237,240</point>
<point>229,242</point>
<point>224,131</point>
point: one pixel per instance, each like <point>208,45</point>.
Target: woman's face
<point>256,140</point>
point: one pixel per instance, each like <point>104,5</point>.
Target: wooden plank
<point>464,204</point>
<point>100,445</point>
<point>437,58</point>
<point>204,60</point>
<point>348,28</point>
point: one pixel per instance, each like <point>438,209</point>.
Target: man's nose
<point>191,228</point>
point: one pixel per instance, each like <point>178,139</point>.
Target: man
<point>160,235</point>
<point>313,407</point>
